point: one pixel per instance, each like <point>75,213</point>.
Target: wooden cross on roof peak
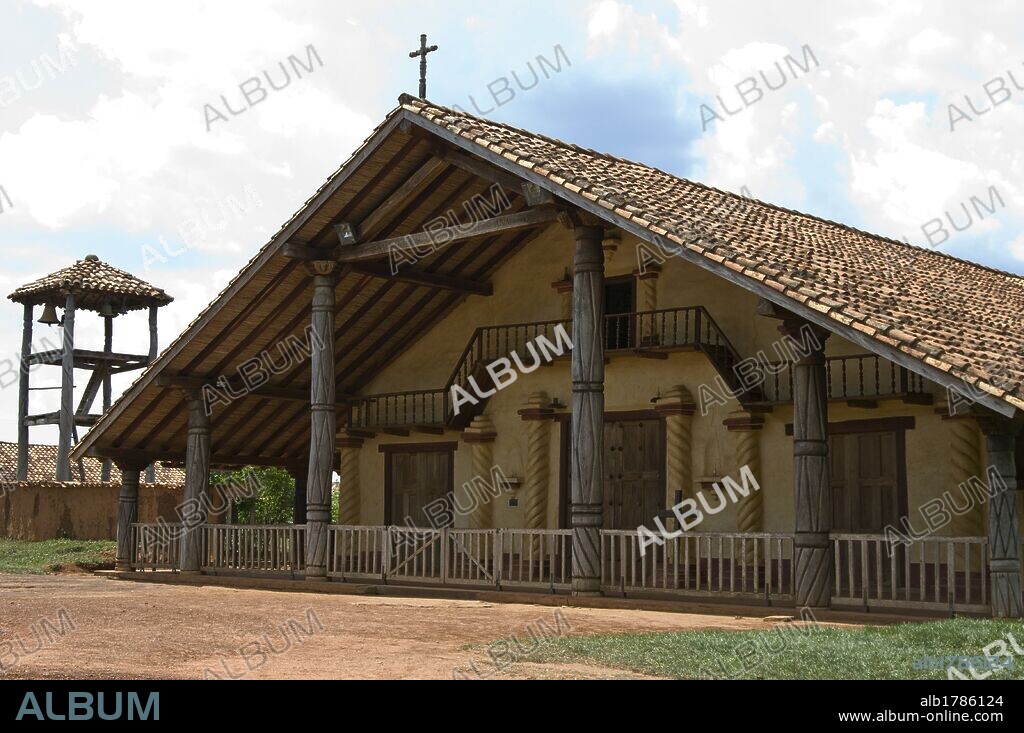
<point>424,49</point>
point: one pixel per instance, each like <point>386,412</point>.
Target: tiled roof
<point>95,281</point>
<point>42,467</point>
<point>956,316</point>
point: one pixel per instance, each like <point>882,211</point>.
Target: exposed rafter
<point>415,276</point>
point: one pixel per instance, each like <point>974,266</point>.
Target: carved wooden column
<point>564,289</point>
<point>537,415</point>
<point>965,463</point>
<point>127,514</point>
<point>745,428</point>
<point>1003,521</point>
<point>677,408</point>
<point>587,467</point>
<point>813,571</point>
<point>23,394</point>
<point>197,479</point>
<point>323,421</point>
<point>481,436</point>
<point>67,393</point>
<point>647,283</point>
<point>349,510</point>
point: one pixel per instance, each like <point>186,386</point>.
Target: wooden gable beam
<point>415,276</point>
<point>291,394</point>
<point>449,235</point>
<point>424,176</point>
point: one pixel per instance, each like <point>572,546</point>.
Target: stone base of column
<point>812,564</point>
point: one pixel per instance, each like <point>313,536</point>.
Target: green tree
<point>274,498</point>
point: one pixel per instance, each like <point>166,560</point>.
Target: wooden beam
<point>53,418</point>
<point>477,167</point>
<point>305,253</point>
<point>422,177</point>
<point>292,394</point>
<point>427,279</point>
<point>146,457</point>
<point>451,235</point>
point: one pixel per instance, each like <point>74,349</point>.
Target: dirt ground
<point>128,630</point>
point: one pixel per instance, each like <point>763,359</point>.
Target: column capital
<point>344,441</point>
<point>481,430</point>
<point>744,421</point>
<point>650,272</point>
<point>610,244</point>
<point>536,407</point>
<point>677,401</point>
<point>321,268</point>
<point>793,326</point>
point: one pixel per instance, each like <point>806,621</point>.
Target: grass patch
<point>791,653</point>
<point>52,556</point>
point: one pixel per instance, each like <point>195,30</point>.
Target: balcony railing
<point>645,331</point>
<point>850,378</point>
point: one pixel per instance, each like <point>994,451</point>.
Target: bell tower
<point>92,286</point>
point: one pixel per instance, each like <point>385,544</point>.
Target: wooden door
<point>868,492</point>
<point>415,480</point>
<point>634,490</point>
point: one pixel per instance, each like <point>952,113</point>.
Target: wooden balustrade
<point>400,409</point>
<point>254,548</point>
<point>155,546</point>
<point>851,378</point>
<point>752,566</point>
<point>937,573</point>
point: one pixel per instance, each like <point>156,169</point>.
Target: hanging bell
<point>49,316</point>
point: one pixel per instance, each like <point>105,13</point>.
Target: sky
<point>125,132</point>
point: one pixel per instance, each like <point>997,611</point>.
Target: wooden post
<point>587,410</point>
<point>323,420</point>
<point>1003,522</point>
<point>127,515</point>
<point>23,393</point>
<point>745,427</point>
<point>813,568</point>
<point>108,347</point>
<point>67,392</point>
<point>197,481</point>
<point>299,505</point>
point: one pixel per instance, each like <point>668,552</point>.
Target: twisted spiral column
<point>677,408</point>
<point>481,436</point>
<point>965,461</point>
<point>538,464</point>
<point>745,428</point>
<point>349,512</point>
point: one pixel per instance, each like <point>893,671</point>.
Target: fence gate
<point>415,555</point>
